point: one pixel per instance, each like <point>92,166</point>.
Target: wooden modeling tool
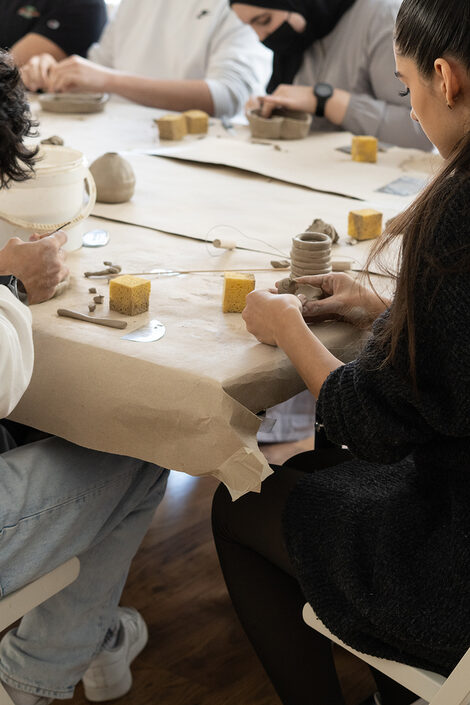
<point>109,322</point>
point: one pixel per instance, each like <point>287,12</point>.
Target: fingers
<point>323,309</point>
<point>267,107</point>
<point>60,238</point>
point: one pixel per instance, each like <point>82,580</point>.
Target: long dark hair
<point>16,161</point>
<point>425,30</point>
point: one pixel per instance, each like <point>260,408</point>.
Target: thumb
<point>322,309</point>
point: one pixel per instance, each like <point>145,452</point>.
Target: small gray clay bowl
<point>78,103</point>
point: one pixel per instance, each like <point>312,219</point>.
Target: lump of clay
<point>73,102</point>
<point>364,148</point>
<point>55,140</point>
<point>282,125</point>
<point>114,178</point>
<point>129,295</point>
<point>237,286</point>
<point>319,226</point>
<point>290,286</point>
<point>365,224</point>
<point>197,122</point>
<point>310,254</point>
<point>172,127</point>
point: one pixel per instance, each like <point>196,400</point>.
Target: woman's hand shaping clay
<point>345,300</point>
<point>76,74</point>
<point>292,97</point>
<point>39,265</point>
<point>35,73</point>
<point>266,312</point>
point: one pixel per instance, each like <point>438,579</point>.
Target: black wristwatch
<point>322,92</point>
<point>11,283</point>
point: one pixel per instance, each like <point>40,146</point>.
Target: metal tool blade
<point>95,238</point>
<point>153,331</point>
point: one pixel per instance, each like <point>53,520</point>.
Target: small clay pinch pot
<point>264,128</point>
<point>290,286</point>
<point>296,124</point>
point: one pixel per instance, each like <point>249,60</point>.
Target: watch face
<point>323,90</point>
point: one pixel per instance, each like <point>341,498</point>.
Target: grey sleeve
<point>382,112</point>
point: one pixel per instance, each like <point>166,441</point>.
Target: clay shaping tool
<point>150,333</point>
<point>109,322</point>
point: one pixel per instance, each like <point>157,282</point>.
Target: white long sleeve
<point>187,40</point>
<point>16,351</point>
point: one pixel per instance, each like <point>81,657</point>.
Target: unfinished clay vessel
<point>114,178</point>
<point>282,125</point>
<point>73,102</point>
<point>310,254</point>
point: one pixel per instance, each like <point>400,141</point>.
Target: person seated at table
<point>174,55</point>
<point>58,500</point>
<point>57,28</point>
<point>375,537</point>
<point>335,60</point>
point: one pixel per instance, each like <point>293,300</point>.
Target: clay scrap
<point>79,103</point>
<point>310,254</point>
<point>283,124</point>
<point>111,270</point>
<point>114,178</point>
<point>319,226</point>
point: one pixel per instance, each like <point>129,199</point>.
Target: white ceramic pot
<point>61,190</point>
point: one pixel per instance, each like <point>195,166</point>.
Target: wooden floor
<point>197,653</point>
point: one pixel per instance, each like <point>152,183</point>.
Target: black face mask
<point>283,39</point>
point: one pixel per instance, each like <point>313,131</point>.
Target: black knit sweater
<point>381,544</point>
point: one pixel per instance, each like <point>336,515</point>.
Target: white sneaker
<point>109,675</point>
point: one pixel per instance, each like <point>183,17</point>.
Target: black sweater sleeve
<point>371,406</point>
<point>74,25</point>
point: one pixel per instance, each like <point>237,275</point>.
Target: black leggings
<point>267,596</point>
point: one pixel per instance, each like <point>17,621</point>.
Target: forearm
<point>168,95</point>
<point>337,106</point>
<point>33,45</point>
<point>5,265</point>
<point>310,357</point>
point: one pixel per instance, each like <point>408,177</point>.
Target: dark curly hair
<point>16,123</point>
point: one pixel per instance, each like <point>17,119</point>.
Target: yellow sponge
<point>172,127</point>
<point>197,121</point>
<point>129,295</point>
<point>364,148</point>
<point>365,224</point>
<point>237,285</point>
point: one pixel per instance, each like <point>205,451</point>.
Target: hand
<point>39,265</point>
<point>292,97</point>
<point>265,312</point>
<point>253,103</point>
<point>345,300</point>
<point>35,72</point>
<point>77,74</point>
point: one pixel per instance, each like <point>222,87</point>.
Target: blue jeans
<point>58,500</point>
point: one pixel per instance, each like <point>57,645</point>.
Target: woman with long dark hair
<point>334,59</point>
<point>375,537</point>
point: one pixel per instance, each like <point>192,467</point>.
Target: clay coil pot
<point>282,125</point>
<point>79,103</point>
<point>114,178</point>
<point>310,254</point>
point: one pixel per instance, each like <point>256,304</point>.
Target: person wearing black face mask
<point>334,59</point>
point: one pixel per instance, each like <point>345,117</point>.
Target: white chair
<point>432,687</point>
<point>19,603</point>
